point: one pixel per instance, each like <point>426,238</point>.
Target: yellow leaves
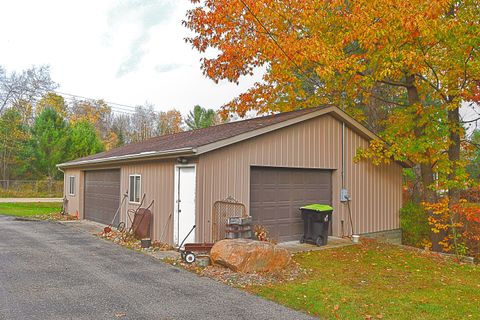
<point>449,218</point>
<point>111,141</point>
<point>170,122</point>
<point>377,152</point>
<point>439,218</point>
<point>91,111</point>
<point>426,244</point>
<point>54,101</point>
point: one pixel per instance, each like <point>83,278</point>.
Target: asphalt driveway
<point>54,271</point>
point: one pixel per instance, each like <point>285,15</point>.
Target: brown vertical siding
<point>375,190</point>
<point>157,183</point>
<point>74,202</point>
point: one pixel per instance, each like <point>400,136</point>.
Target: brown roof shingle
<point>196,138</point>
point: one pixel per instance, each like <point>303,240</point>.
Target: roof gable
<point>333,111</point>
<point>200,141</point>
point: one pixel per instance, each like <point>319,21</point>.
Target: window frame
<point>71,185</point>
<point>137,191</point>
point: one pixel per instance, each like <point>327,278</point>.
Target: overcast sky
<point>127,52</point>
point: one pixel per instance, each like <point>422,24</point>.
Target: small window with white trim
<point>71,185</point>
<point>134,190</point>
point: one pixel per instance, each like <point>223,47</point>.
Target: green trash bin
<point>316,220</point>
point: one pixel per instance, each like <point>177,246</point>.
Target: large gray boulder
<point>246,256</point>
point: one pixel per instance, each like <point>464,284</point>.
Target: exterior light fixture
<point>182,160</point>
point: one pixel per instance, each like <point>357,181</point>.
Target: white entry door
<point>184,217</point>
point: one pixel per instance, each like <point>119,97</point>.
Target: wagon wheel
<point>319,241</point>
<point>121,226</point>
<point>189,257</point>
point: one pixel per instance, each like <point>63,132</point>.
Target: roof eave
<point>136,156</point>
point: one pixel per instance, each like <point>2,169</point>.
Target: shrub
<point>414,224</point>
<point>469,227</point>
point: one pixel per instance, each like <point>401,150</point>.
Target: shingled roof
<point>196,142</point>
<point>192,139</point>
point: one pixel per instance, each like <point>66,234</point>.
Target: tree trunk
<point>454,151</point>
<point>417,191</point>
<point>426,169</point>
<point>454,157</point>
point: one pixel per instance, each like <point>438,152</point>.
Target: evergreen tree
<point>84,140</point>
<point>200,118</point>
<point>49,143</point>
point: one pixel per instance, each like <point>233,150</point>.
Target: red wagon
<point>192,250</point>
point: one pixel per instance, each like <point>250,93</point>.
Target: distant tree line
<point>40,128</point>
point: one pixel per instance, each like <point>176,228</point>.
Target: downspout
<point>65,203</point>
<point>344,196</point>
<point>60,169</point>
<point>343,143</point>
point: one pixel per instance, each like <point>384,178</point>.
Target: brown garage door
<point>277,193</point>
<point>102,195</point>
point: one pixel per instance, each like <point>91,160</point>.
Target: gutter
<point>141,155</point>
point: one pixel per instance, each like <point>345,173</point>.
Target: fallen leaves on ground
<point>127,239</point>
<point>242,280</point>
<point>56,216</point>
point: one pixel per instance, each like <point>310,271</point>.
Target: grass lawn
<point>29,209</point>
<point>380,281</point>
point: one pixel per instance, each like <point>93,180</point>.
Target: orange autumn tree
<point>415,61</point>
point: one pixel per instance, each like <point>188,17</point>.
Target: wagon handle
<point>191,230</point>
<point>150,205</point>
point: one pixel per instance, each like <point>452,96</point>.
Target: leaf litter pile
<point>55,216</point>
<point>127,239</point>
<point>242,280</point>
<point>216,272</point>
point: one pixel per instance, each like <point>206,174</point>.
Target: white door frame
<point>176,190</point>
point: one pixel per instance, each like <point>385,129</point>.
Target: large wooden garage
<point>272,165</point>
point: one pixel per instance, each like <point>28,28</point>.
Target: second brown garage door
<point>276,194</point>
<point>102,195</point>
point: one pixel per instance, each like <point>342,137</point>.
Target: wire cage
<point>222,210</point>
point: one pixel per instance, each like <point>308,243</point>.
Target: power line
<point>36,97</point>
<point>119,107</point>
<point>113,108</point>
<point>86,98</point>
